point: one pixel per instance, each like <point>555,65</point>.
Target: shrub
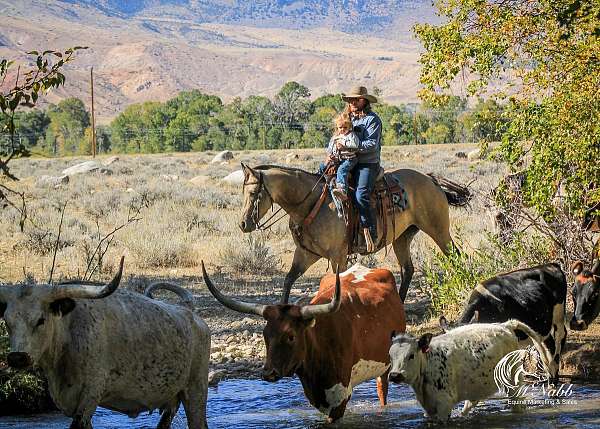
<point>252,256</point>
<point>449,279</point>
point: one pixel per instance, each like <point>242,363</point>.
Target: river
<point>254,404</point>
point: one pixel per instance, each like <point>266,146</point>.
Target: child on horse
<point>342,151</point>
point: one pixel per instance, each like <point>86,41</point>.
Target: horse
<point>297,192</point>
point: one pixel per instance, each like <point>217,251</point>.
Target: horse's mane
<point>269,166</point>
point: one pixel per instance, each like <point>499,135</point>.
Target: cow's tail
<point>538,343</point>
<point>456,194</point>
<point>187,299</point>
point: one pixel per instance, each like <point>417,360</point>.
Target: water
<point>254,404</point>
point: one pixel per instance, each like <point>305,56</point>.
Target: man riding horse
<point>367,127</point>
<point>410,202</point>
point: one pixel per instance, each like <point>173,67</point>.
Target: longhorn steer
<point>535,296</point>
<point>338,341</point>
<point>119,350</point>
<point>456,366</point>
<point>586,295</point>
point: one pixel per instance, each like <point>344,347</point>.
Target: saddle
<point>387,198</point>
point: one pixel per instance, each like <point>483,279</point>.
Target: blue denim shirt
<point>368,129</point>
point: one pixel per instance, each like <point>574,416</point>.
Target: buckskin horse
<point>317,230</point>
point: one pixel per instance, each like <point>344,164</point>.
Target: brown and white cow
<point>338,341</point>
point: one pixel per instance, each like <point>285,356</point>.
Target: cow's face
<point>586,295</point>
<point>31,318</point>
<point>256,199</point>
<point>407,357</point>
<point>285,340</point>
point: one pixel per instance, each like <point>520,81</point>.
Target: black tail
<point>457,195</point>
<point>187,299</point>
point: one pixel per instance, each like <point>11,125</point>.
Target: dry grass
<point>182,223</point>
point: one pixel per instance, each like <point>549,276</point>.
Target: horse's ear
<point>247,170</point>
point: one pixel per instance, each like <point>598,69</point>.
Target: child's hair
<point>342,119</point>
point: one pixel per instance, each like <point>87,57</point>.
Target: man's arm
<point>373,137</point>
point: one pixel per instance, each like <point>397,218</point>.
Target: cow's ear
<point>577,267</point>
<point>424,342</point>
<point>63,306</point>
<point>2,308</point>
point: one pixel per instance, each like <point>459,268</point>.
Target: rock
<point>460,155</point>
<point>52,181</point>
<point>110,160</point>
<point>474,155</point>
<point>226,155</point>
<point>199,180</point>
<point>291,157</point>
<point>84,167</point>
<point>235,178</point>
<point>215,376</point>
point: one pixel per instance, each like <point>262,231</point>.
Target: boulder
<point>226,155</point>
<point>235,178</point>
<point>52,181</point>
<point>110,160</point>
<point>474,155</point>
<point>81,168</point>
<point>291,157</point>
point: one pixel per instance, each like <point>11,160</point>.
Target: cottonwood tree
<point>543,58</point>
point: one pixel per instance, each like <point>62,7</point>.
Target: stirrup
<point>368,240</point>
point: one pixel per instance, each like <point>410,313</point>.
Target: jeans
<point>365,175</point>
<point>343,170</point>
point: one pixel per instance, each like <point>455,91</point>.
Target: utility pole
<point>93,116</point>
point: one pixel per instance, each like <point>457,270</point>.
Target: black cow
<point>535,296</point>
<point>586,295</point>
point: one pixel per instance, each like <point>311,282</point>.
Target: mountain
<point>151,49</point>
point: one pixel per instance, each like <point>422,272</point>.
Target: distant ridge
<point>144,50</point>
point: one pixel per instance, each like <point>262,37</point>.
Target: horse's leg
<point>401,247</point>
<point>303,259</point>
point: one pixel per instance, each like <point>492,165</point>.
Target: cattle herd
<point>102,346</point>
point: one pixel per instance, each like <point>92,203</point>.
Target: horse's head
<point>257,199</point>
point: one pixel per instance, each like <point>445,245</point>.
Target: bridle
<point>256,203</point>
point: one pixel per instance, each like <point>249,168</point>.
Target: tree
<point>548,52</point>
<point>291,105</point>
<point>68,122</point>
<point>29,85</point>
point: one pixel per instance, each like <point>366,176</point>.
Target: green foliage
<point>546,55</point>
<point>20,391</point>
<point>68,122</point>
<point>450,279</point>
<point>29,85</point>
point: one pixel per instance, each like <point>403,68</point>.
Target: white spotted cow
<point>456,366</point>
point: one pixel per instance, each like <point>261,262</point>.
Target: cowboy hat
<point>359,92</point>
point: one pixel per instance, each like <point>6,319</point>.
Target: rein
<point>256,209</point>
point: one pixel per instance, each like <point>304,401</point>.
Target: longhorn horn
<point>82,291</point>
<point>310,311</point>
<point>242,307</point>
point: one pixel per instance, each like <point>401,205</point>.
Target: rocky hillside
<point>151,49</point>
